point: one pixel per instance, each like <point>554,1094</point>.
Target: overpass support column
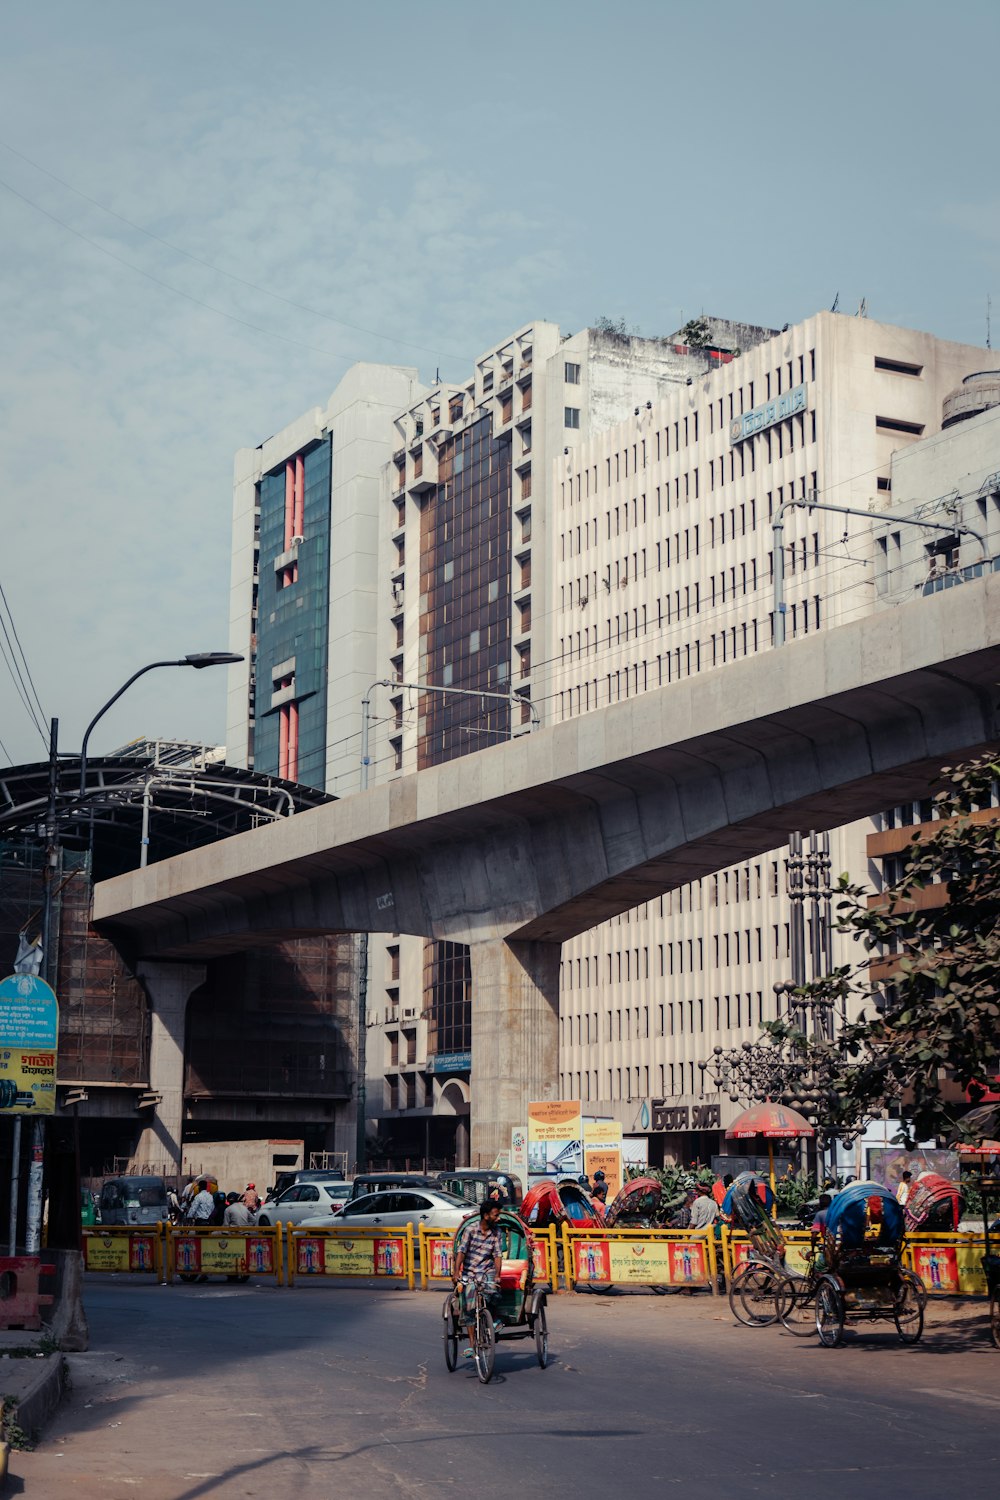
<point>169,987</point>
<point>515,1038</point>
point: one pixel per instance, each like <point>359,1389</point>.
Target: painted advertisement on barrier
<point>555,1138</point>
<point>797,1254</point>
<point>950,1270</point>
<point>659,1262</point>
<point>602,1152</point>
<point>119,1252</point>
<point>320,1256</point>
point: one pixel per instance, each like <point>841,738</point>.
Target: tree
<point>697,333</point>
<point>937,1013</point>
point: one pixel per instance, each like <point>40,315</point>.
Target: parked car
<point>303,1174</point>
<point>134,1200</point>
<point>394,1210</point>
<point>381,1182</point>
<point>302,1199</point>
<point>475,1185</point>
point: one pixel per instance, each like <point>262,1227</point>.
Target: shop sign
<point>450,1062</point>
<point>671,1117</point>
<point>768,414</point>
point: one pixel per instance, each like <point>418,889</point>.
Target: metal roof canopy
<point>191,796</point>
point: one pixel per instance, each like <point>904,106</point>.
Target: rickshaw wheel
<point>995,1317</point>
<point>541,1337</point>
<point>451,1331</point>
<point>829,1315</point>
<point>755,1296</point>
<point>908,1310</point>
<point>484,1346</point>
<point>797,1310</point>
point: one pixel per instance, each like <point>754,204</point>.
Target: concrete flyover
<point>518,847</point>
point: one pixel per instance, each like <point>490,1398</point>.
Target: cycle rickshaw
<point>864,1278</point>
<point>515,1310</point>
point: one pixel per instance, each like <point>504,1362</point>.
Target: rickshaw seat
<point>513,1275</point>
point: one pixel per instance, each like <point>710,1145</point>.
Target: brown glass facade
<point>465,562</point>
<point>465,529</point>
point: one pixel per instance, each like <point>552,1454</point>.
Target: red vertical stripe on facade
<point>289,502</point>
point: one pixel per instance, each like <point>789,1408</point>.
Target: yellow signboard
<point>641,1262</point>
<point>602,1152</point>
<point>29,1030</point>
<point>951,1270</point>
<point>321,1256</point>
<point>119,1252</point>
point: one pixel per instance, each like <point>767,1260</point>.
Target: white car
<point>395,1209</point>
<point>302,1199</point>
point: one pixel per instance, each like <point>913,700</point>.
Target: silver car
<point>396,1209</point>
<point>302,1199</point>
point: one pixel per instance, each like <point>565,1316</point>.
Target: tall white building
<point>662,565</point>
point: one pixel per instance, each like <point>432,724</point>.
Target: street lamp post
<point>196,659</point>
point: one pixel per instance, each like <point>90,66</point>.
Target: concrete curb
<point>35,1397</point>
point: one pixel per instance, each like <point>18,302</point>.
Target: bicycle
<point>480,1321</point>
<point>758,1291</point>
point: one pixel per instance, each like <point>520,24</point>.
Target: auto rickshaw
<point>864,1278</point>
<point>635,1205</point>
<point>515,1311</point>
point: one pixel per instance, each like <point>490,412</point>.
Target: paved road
<point>221,1392</point>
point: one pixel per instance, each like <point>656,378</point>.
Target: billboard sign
<point>555,1138</point>
<point>29,1034</point>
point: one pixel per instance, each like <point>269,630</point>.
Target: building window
<point>571,416</point>
<point>572,375</point>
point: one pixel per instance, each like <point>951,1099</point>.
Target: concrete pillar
<point>462,1141</point>
<point>515,1038</point>
<point>169,987</point>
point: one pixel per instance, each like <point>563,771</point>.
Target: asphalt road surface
<point>218,1391</point>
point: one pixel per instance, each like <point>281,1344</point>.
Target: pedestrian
<point>704,1209</point>
<point>252,1198</point>
<point>819,1222</point>
<point>219,1208</point>
<point>903,1191</point>
<point>681,1218</point>
<point>237,1214</point>
<point>720,1187</point>
<point>202,1205</point>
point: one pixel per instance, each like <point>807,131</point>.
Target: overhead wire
<point>24,659</point>
<point>314,312</point>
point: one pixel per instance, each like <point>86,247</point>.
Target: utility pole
<point>33,1227</point>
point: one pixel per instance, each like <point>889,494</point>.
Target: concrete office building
<point>662,566</point>
<point>466,528</point>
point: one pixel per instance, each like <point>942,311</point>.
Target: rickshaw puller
<point>479,1260</point>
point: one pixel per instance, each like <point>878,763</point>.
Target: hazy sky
<point>434,174</point>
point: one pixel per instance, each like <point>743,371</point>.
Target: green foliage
<point>615,328</point>
<point>697,333</point>
<point>938,1014</point>
<point>11,1430</point>
<point>792,1192</point>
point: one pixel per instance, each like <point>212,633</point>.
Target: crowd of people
<point>205,1206</point>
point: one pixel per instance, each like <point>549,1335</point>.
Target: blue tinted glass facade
<point>294,621</point>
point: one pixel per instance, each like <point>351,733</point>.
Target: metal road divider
<point>125,1247</point>
<point>949,1265</point>
<point>350,1252</point>
<point>639,1257</point>
<point>192,1251</point>
<point>435,1247</point>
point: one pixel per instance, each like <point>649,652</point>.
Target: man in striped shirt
<point>479,1258</point>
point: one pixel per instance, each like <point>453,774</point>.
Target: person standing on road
<point>903,1191</point>
<point>704,1209</point>
<point>202,1205</point>
<point>479,1260</point>
<point>252,1198</point>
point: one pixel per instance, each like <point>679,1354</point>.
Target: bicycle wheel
<point>798,1312</point>
<point>484,1347</point>
<point>451,1332</point>
<point>995,1317</point>
<point>754,1295</point>
<point>908,1310</point>
<point>541,1337</point>
<point>829,1315</point>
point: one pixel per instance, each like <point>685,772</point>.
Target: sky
<point>209,211</point>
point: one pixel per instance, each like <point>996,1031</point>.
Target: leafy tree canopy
<point>937,1013</point>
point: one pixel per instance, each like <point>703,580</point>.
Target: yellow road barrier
<point>136,1248</point>
<point>639,1257</point>
<point>949,1265</point>
<point>193,1251</point>
<point>350,1252</point>
<point>736,1248</point>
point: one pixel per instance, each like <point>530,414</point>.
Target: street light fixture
<point>196,659</point>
